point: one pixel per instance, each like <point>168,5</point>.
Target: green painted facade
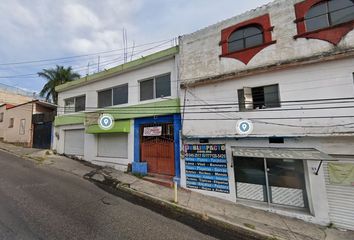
<point>158,108</point>
<point>120,126</point>
<point>141,62</point>
<point>69,119</point>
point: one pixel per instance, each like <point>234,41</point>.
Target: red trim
<point>332,34</point>
<point>245,55</point>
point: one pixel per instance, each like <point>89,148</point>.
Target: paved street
<point>40,202</point>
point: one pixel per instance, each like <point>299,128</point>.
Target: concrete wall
<point>316,81</point>
<point>13,134</point>
<point>199,51</point>
<point>3,123</point>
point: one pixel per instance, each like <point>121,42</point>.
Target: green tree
<point>56,76</point>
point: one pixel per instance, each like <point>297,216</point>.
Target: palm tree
<point>56,76</point>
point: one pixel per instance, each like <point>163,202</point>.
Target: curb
<point>215,226</point>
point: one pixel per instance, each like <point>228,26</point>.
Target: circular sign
<point>244,127</point>
<point>106,122</point>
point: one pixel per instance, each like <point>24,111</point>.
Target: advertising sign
<point>152,131</point>
<point>206,167</point>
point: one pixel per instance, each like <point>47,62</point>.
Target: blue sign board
<point>206,167</point>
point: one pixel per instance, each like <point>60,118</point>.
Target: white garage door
<point>340,200</point>
<point>74,142</point>
<point>113,145</point>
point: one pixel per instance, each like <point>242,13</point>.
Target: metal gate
<point>157,148</point>
<point>42,135</point>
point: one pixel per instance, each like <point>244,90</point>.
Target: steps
<point>163,180</point>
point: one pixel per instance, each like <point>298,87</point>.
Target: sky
<point>36,30</point>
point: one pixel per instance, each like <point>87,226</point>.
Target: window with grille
<point>75,104</point>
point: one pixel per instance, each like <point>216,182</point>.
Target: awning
<point>120,126</point>
<point>282,153</point>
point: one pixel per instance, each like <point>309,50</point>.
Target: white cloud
<point>40,29</point>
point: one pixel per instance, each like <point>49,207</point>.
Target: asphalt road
<point>40,202</point>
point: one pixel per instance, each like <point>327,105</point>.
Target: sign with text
<point>152,131</point>
<point>206,167</point>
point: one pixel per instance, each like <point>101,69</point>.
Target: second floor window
<point>329,13</point>
<point>1,117</point>
<point>75,104</point>
<point>113,96</point>
<point>258,97</point>
<point>11,122</point>
<point>156,87</point>
<point>245,38</point>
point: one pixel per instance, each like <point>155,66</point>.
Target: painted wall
<point>328,80</point>
<point>12,98</point>
<point>132,78</point>
<point>13,134</point>
<point>199,51</point>
<point>90,90</point>
<point>316,188</point>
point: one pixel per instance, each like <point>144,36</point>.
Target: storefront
<point>275,176</point>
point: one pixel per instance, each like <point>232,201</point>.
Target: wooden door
<point>157,149</point>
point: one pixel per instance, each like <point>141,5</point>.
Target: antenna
<point>98,64</point>
<point>131,57</point>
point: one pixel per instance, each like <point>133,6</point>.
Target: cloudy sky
<point>35,30</point>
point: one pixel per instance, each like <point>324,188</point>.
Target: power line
<point>78,56</point>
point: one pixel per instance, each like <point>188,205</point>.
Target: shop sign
<point>206,167</point>
<point>106,122</point>
<point>152,131</point>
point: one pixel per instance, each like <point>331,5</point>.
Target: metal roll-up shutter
<point>74,142</point>
<point>340,200</point>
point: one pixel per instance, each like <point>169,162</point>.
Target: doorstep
<point>163,180</point>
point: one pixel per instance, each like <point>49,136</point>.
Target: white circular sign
<point>106,122</point>
<point>244,127</point>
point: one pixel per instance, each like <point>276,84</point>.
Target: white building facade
<point>140,95</point>
<point>287,68</point>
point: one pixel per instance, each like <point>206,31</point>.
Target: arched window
<point>329,13</point>
<point>245,37</point>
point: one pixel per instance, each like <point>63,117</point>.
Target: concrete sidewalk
<point>48,158</point>
<point>272,226</point>
<point>269,225</point>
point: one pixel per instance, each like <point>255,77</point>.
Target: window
<point>156,87</point>
<point>11,122</point>
<point>1,117</point>
<point>22,126</point>
<point>277,181</point>
<point>113,96</point>
<point>105,98</point>
<point>329,13</point>
<point>259,97</point>
<point>245,38</point>
<point>327,20</point>
<point>75,104</point>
